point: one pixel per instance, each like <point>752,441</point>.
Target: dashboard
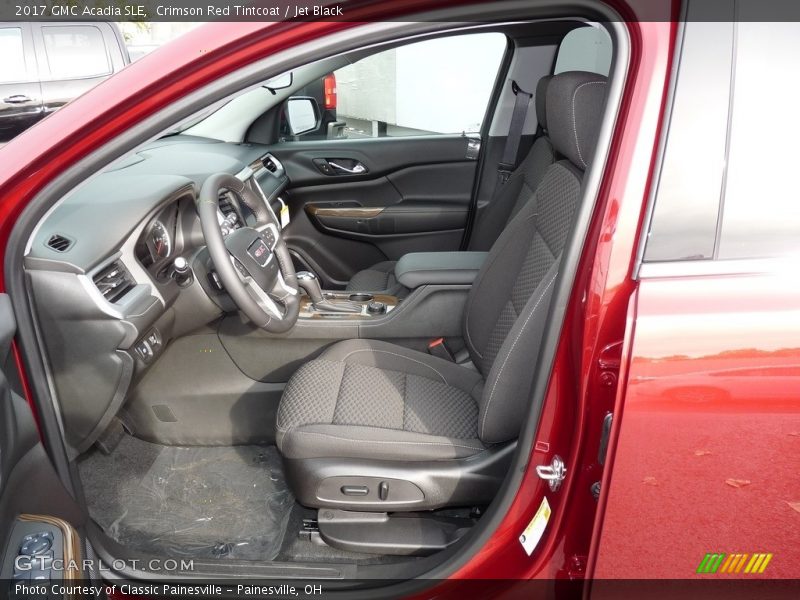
<point>101,268</point>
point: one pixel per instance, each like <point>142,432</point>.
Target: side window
<point>761,209</point>
<point>439,86</point>
<point>684,221</point>
<point>11,49</point>
<point>75,51</point>
<point>726,189</point>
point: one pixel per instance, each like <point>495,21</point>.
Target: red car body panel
<point>708,456</point>
<point>588,357</point>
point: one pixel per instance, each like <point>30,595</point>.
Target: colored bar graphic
<point>753,563</point>
<point>727,564</point>
<point>704,564</point>
<point>719,562</point>
<point>764,564</point>
<point>741,563</point>
<point>710,563</point>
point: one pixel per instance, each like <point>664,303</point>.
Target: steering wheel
<point>253,263</point>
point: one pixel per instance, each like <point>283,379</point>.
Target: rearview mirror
<point>302,114</point>
<point>279,82</point>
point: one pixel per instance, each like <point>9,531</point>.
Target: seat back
<point>509,198</point>
<point>508,305</point>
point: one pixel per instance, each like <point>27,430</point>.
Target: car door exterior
<point>705,477</point>
<point>20,90</point>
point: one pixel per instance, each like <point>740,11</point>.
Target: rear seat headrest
<point>541,100</point>
<point>575,103</point>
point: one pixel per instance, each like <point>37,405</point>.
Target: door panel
<point>410,194</point>
<point>33,501</point>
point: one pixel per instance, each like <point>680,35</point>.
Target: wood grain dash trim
<point>348,212</point>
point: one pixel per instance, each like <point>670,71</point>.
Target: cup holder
<point>361,297</point>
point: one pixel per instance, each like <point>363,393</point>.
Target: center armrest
<point>438,268</point>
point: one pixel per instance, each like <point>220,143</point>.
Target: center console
<point>416,271</point>
<point>363,306</point>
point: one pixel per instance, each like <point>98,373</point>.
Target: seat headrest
<point>541,100</point>
<point>575,103</point>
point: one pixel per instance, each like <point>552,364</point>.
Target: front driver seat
<point>373,426</point>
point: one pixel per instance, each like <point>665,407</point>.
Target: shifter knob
<point>182,272</point>
<point>309,282</point>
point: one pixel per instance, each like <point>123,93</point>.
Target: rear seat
<point>508,200</point>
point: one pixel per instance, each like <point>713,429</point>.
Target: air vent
<point>269,164</point>
<point>114,281</point>
<point>59,243</point>
<point>226,206</point>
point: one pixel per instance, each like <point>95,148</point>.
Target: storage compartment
<point>361,297</point>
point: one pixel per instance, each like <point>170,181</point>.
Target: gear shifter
<point>309,282</point>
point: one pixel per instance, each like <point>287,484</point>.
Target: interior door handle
<point>16,99</point>
<point>356,169</point>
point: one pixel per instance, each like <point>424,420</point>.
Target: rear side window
<point>761,210</point>
<point>11,49</point>
<point>727,188</point>
<point>684,223</point>
<point>439,86</point>
<point>74,52</point>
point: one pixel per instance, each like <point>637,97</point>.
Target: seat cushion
<point>378,278</point>
<point>375,400</point>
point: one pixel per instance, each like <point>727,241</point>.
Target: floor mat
<point>212,502</point>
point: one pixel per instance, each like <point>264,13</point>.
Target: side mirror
<point>302,114</point>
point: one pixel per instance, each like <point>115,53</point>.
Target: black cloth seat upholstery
<point>375,401</point>
<point>380,395</point>
<point>380,278</point>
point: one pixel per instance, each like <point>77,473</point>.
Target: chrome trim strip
<point>706,268</point>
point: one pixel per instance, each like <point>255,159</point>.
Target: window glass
<point>585,49</point>
<point>433,87</point>
<point>75,51</point>
<point>684,221</point>
<point>761,215</point>
<point>13,56</point>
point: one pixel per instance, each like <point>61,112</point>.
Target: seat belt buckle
<point>439,349</point>
<point>504,171</point>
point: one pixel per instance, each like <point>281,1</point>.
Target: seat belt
<point>509,161</point>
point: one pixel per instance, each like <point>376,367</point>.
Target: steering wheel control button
<point>270,238</point>
<point>33,545</point>
<point>355,490</point>
<point>376,308</point>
